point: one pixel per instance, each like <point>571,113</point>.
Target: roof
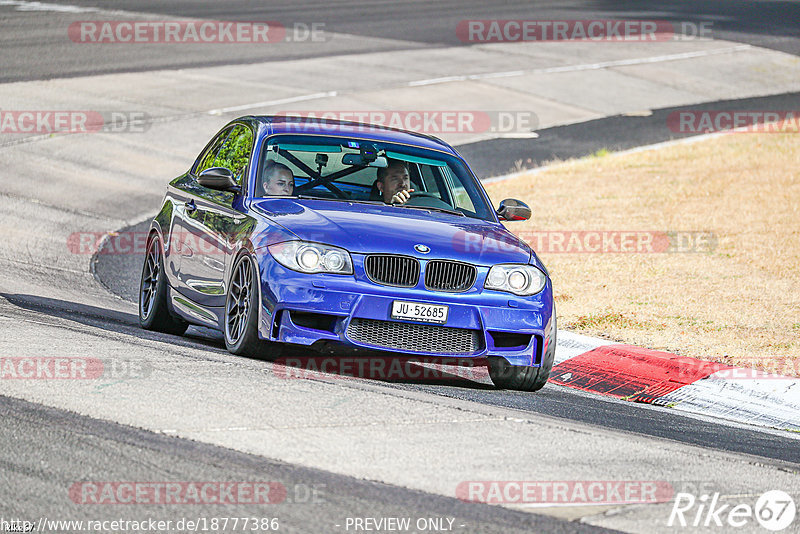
<point>337,128</point>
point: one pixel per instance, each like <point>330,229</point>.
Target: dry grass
<point>739,304</point>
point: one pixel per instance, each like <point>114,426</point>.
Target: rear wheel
<point>241,313</point>
<point>154,312</point>
<point>523,377</point>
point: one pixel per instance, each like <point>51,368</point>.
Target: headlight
<point>312,257</point>
<point>523,280</point>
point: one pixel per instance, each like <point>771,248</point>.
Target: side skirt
<point>193,312</point>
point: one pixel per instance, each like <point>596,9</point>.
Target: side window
<point>461,197</point>
<point>429,179</point>
<point>234,153</point>
<point>206,161</point>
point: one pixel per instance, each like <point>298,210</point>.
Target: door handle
<point>190,206</point>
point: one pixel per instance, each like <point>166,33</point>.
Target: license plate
<point>416,311</point>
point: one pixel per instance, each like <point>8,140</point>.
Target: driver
<point>277,179</point>
<point>394,182</point>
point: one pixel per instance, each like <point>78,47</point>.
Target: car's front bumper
<point>306,309</point>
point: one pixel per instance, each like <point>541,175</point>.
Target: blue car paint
<point>348,296</point>
<point>363,228</point>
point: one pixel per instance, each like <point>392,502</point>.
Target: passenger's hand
<point>402,197</point>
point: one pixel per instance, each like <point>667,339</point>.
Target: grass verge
<point>734,300</point>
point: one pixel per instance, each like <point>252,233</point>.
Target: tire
<point>523,377</point>
<point>240,327</point>
<point>154,313</point>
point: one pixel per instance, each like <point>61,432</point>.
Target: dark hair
<point>271,167</point>
<point>391,162</point>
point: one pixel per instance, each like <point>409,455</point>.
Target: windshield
<point>337,168</point>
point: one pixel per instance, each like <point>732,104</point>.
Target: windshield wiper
<point>443,210</point>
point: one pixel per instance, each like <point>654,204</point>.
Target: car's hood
<point>376,228</point>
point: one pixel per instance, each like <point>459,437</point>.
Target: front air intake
<point>398,336</point>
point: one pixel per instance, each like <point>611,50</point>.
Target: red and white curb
<point>686,384</point>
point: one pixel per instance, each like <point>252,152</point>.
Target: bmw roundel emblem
<point>422,249</point>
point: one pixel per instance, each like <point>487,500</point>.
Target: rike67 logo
<point>774,510</point>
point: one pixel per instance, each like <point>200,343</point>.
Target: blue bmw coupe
<point>315,233</point>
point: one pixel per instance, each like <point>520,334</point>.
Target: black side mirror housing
<point>219,179</point>
<point>513,210</point>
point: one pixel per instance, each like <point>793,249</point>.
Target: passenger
<point>394,182</point>
<point>277,179</point>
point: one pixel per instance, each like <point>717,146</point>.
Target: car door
<point>186,232</point>
<point>213,222</point>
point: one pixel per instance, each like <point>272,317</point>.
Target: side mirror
<point>218,178</point>
<point>513,210</point>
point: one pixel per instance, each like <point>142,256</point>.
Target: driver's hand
<point>402,197</point>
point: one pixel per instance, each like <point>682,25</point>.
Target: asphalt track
<point>316,501</point>
<point>620,132</point>
<point>31,42</point>
<point>553,401</point>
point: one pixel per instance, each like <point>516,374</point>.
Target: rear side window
<point>231,149</point>
<point>206,160</point>
<point>234,154</point>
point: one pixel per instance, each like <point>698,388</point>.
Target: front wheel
<point>523,377</point>
<point>154,313</point>
<point>241,313</point>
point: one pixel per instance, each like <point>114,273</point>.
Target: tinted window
<point>460,197</point>
<point>428,179</point>
<point>234,154</point>
<point>231,149</point>
<point>206,160</point>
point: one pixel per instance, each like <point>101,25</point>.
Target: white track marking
<point>23,5</point>
<point>290,100</point>
<point>583,67</point>
<point>504,74</point>
<point>44,6</point>
<point>770,401</point>
<point>570,344</point>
